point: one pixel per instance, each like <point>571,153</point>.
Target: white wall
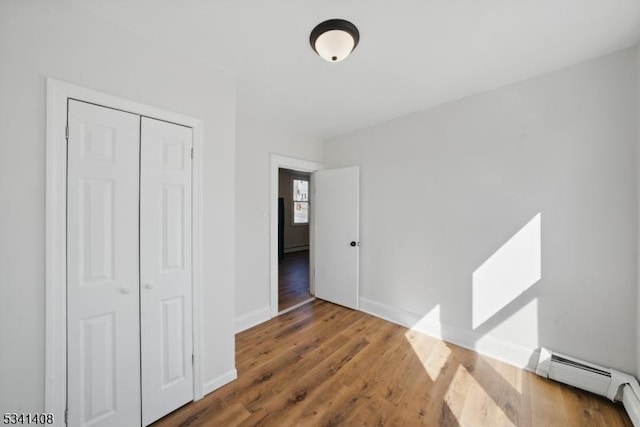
<point>638,184</point>
<point>444,189</point>
<point>40,39</point>
<point>256,140</point>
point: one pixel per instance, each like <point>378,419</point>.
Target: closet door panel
<point>103,347</point>
<point>165,268</point>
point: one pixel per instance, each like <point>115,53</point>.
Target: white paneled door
<point>103,333</point>
<point>165,268</point>
<point>129,292</point>
<point>336,221</point>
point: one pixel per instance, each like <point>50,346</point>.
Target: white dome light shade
<point>334,39</point>
<point>334,45</point>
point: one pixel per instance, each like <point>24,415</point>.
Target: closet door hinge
<point>66,416</point>
<point>66,131</point>
<point>192,153</point>
<point>193,360</point>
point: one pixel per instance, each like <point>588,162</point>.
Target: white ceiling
<point>412,53</point>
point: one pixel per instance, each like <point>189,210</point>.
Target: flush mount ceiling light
<point>334,39</point>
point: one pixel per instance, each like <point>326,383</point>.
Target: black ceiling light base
<point>334,25</point>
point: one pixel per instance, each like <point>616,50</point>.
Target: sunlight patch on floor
<point>467,400</point>
<point>432,353</point>
<point>510,374</point>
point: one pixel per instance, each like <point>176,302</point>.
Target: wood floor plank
<point>263,349</point>
<point>247,339</point>
<point>325,365</point>
<point>546,404</point>
<point>590,411</point>
<point>503,399</point>
<point>293,279</point>
<point>307,384</point>
<point>334,401</point>
<point>377,357</point>
<point>255,397</point>
<point>259,384</point>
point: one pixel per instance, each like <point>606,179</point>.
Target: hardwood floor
<point>325,365</point>
<point>293,279</point>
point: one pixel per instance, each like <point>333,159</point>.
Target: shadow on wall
<point>500,281</point>
<point>501,286</point>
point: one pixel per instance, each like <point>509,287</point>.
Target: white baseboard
<point>218,382</point>
<point>296,249</point>
<point>512,354</point>
<point>293,307</point>
<point>252,319</point>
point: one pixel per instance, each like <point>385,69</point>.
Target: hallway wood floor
<point>293,279</point>
<point>325,365</point>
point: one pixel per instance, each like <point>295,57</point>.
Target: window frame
<point>294,201</point>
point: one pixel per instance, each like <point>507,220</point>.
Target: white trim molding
<point>218,382</point>
<point>55,249</point>
<point>296,249</point>
<point>252,319</point>
<point>58,94</point>
<point>277,162</point>
<point>298,305</point>
<point>512,354</point>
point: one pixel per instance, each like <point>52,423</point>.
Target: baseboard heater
<point>613,384</point>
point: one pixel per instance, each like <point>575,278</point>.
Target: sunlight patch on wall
<point>430,323</point>
<point>510,271</point>
<point>432,353</point>
<point>521,326</point>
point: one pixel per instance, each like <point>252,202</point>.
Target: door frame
<point>277,162</point>
<point>56,231</point>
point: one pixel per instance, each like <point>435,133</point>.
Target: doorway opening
<point>299,166</point>
<point>294,221</point>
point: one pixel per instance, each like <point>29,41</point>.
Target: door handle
<point>124,290</point>
<point>353,243</point>
<point>148,285</point>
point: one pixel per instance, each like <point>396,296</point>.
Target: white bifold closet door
<point>165,268</point>
<point>103,314</point>
<point>129,347</point>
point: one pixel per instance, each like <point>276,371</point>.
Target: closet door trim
<point>58,94</point>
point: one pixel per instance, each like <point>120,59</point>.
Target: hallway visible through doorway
<point>293,277</point>
<point>293,238</point>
